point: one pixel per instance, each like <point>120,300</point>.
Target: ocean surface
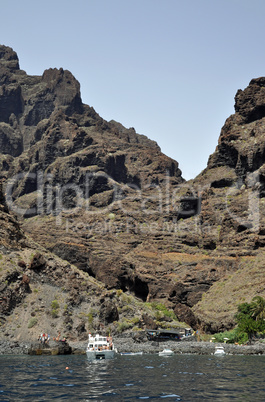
<point>132,378</point>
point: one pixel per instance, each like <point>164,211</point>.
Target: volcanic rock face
<point>241,143</point>
<point>55,153</point>
<point>38,291</point>
<point>106,199</point>
<point>235,171</point>
<point>43,120</point>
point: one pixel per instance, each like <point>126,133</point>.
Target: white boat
<point>166,352</point>
<point>100,347</point>
<point>219,350</point>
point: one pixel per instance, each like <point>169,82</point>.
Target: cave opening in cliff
<point>141,289</point>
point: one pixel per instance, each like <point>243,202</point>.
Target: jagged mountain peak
<point>250,103</point>
<point>43,118</point>
<point>241,149</point>
<point>8,58</point>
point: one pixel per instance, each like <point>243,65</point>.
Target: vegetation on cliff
<point>250,318</point>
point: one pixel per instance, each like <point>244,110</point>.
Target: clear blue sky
<point>168,68</point>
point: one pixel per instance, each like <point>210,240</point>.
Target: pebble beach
<point>128,344</point>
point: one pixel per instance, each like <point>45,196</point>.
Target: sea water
<point>133,378</point>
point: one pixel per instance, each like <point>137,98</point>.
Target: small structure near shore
<point>159,335</point>
<point>169,334</point>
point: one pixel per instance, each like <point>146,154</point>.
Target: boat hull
<point>100,355</point>
<point>166,352</point>
<point>219,351</point>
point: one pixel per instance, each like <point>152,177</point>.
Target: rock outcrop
<point>241,145</point>
<point>107,201</point>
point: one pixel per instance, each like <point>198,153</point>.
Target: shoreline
<point>188,347</point>
<point>126,344</point>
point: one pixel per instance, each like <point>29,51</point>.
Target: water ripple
<point>182,378</point>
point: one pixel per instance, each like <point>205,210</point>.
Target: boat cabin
<point>99,343</point>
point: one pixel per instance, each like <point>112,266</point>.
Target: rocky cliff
<point>107,201</point>
<point>40,292</point>
<point>47,128</point>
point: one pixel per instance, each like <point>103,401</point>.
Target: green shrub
<point>162,308</point>
<point>54,313</point>
<point>231,335</point>
<point>55,307</point>
<point>123,325</point>
<point>235,335</point>
<point>55,304</point>
<point>33,321</point>
<point>90,319</point>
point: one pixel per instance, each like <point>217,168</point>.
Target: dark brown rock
<point>107,200</point>
<point>184,313</point>
<point>38,262</point>
<point>108,312</point>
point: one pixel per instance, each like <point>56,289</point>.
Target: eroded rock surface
<point>106,200</point>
